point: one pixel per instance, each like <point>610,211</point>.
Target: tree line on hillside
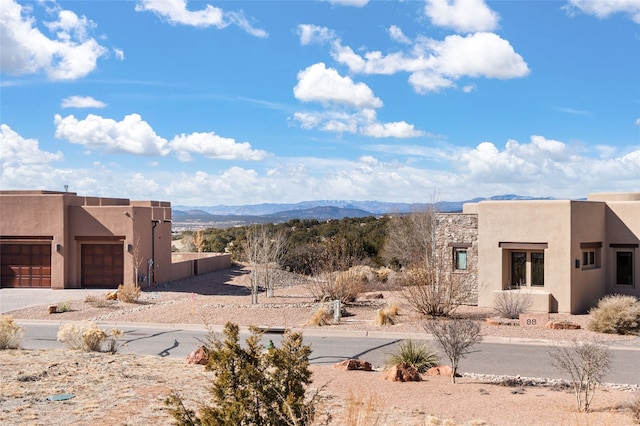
<point>307,242</point>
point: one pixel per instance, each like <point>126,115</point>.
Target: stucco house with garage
<point>64,240</point>
<point>566,254</point>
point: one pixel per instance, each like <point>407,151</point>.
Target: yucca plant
<point>416,354</point>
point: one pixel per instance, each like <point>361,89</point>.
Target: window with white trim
<point>591,255</point>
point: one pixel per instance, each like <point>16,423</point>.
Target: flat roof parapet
<point>614,196</point>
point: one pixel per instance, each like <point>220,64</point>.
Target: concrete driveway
<point>18,298</point>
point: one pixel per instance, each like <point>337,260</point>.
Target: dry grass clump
<point>364,412</point>
<point>616,314</point>
<point>321,316</point>
<point>97,302</point>
<point>128,293</point>
<point>387,315</point>
<point>10,333</point>
<point>86,336</point>
<point>64,306</point>
<point>383,274</point>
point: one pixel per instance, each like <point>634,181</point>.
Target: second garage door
<point>102,265</point>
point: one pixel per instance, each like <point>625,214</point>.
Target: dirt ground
<point>124,389</point>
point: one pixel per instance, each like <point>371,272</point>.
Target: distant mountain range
<point>226,216</point>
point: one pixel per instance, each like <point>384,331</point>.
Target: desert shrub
<point>456,338</point>
<point>88,337</point>
<point>510,304</point>
<point>616,314</point>
<point>253,386</point>
<point>323,315</point>
<point>344,286</point>
<point>95,301</point>
<point>128,293</point>
<point>586,363</point>
<point>387,315</point>
<point>431,292</point>
<point>64,306</point>
<point>417,355</point>
<point>10,333</point>
<point>383,274</point>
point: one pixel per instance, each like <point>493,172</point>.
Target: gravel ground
<point>123,389</point>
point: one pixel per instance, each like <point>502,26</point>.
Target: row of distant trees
<point>323,249</point>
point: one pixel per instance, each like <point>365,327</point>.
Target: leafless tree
<point>411,238</point>
<point>136,257</point>
<point>198,241</point>
<point>586,363</point>
<point>456,337</point>
<point>426,282</point>
<point>263,249</point>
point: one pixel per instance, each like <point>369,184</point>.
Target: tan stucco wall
<point>71,220</point>
<point>587,226</point>
<point>525,222</point>
<point>623,227</point>
<point>44,217</point>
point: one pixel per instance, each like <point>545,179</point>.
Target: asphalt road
<point>489,357</point>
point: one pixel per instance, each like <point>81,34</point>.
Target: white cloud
<point>363,122</point>
<point>397,35</point>
<point>354,3</point>
<point>82,102</point>
<point>176,12</point>
<point>211,145</point>
<point>462,15</point>
<point>71,54</point>
<point>310,34</point>
<point>605,8</point>
<point>14,149</point>
<point>546,163</point>
<point>637,121</point>
<point>317,83</point>
<point>131,135</point>
<point>475,55</point>
<point>435,65</point>
<point>23,165</point>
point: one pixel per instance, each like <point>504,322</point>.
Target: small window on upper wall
<point>590,255</point>
<point>460,259</point>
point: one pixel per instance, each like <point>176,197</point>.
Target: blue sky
<point>234,102</point>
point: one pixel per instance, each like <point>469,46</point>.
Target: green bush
<point>253,385</point>
<point>10,333</point>
<point>417,355</point>
<point>616,314</point>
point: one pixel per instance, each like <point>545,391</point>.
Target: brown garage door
<point>25,265</point>
<point>102,265</point>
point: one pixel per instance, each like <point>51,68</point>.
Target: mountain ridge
<point>225,216</point>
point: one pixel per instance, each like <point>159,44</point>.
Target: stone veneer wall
<point>459,228</point>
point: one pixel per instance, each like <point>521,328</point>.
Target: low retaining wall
<point>184,265</point>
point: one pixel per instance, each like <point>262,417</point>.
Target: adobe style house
<point>566,254</point>
<point>63,240</point>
